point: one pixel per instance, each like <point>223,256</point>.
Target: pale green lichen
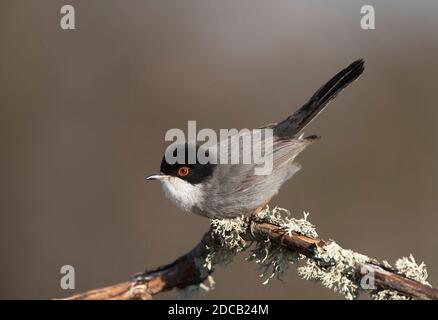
<point>408,267</point>
<point>388,295</point>
<point>230,232</point>
<point>284,219</point>
<point>335,268</point>
<point>272,260</point>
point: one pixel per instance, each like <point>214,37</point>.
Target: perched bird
<point>229,190</point>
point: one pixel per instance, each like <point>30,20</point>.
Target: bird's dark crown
<point>193,173</point>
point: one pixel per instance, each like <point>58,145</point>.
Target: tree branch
<point>192,268</point>
<point>181,273</point>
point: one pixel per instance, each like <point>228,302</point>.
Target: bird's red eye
<point>183,171</point>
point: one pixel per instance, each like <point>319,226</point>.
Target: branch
<point>280,240</point>
<point>181,273</point>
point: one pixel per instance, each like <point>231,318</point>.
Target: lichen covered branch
<point>276,240</point>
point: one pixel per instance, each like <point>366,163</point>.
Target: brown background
<point>84,113</point>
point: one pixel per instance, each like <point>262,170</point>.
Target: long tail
<point>302,117</point>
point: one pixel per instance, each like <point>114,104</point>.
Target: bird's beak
<point>157,176</point>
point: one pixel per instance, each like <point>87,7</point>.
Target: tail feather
<point>303,116</point>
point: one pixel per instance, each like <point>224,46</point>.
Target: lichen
<point>284,219</point>
<point>332,266</point>
<point>335,268</point>
<point>410,269</point>
<point>230,232</point>
<point>272,260</point>
<point>388,295</point>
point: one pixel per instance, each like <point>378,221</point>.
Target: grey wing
<point>239,190</point>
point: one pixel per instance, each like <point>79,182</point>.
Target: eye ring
<point>183,171</point>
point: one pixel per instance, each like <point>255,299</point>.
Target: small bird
<point>219,191</point>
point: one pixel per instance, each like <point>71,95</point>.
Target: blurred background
<point>83,115</point>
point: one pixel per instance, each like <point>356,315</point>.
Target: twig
<point>181,273</point>
<point>191,269</point>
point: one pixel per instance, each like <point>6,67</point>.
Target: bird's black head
<point>193,173</point>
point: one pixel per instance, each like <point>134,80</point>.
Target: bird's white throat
<point>181,193</point>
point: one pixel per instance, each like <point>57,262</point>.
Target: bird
<point>225,191</point>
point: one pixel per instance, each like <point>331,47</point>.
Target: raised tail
<point>293,124</point>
